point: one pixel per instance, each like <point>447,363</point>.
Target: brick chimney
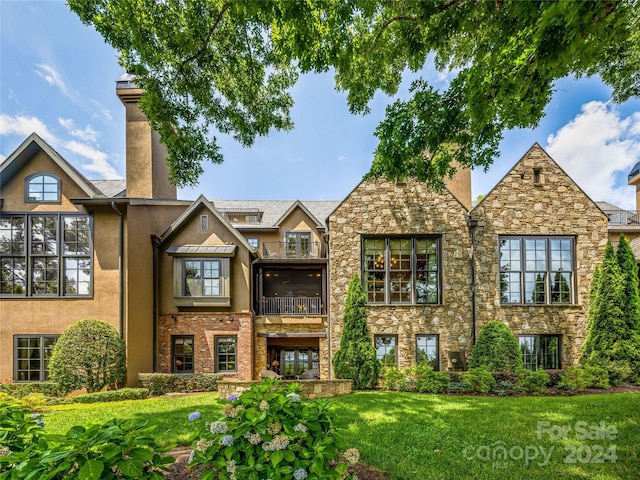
<point>147,171</point>
<point>634,179</point>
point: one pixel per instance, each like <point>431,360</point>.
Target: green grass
<point>421,437</point>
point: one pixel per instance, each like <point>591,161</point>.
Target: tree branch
<point>225,7</point>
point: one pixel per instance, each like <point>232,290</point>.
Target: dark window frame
<point>542,343</point>
<point>383,264</point>
<point>294,246</point>
<point>182,356</point>
<point>43,359</point>
<point>203,279</point>
<point>27,187</point>
<point>387,349</point>
<point>542,284</point>
<point>48,252</point>
<point>252,240</point>
<point>218,340</point>
<point>435,362</point>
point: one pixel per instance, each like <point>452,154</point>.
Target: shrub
<point>122,449</point>
<point>505,388</point>
<point>163,383</point>
<point>18,390</point>
<point>534,383</point>
<point>459,387</point>
<point>356,359</point>
<point>269,432</point>
<point>434,382</point>
<point>496,348</point>
<point>479,379</point>
<point>391,377</point>
<point>575,379</point>
<point>112,395</point>
<point>89,354</point>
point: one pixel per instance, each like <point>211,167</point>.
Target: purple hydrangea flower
<point>194,416</point>
<point>232,398</point>
<point>227,441</point>
<point>300,474</point>
<point>295,398</point>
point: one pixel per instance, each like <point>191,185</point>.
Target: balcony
<point>291,306</point>
<point>623,217</point>
<point>291,250</point>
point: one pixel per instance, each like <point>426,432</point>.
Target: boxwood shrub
<point>163,383</point>
<point>112,395</point>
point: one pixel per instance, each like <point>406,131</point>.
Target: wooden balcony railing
<point>623,217</point>
<point>291,306</point>
<point>291,250</point>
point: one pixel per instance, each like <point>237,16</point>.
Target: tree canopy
<point>229,66</point>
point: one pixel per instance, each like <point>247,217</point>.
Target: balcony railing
<point>291,250</point>
<point>291,306</point>
<point>623,217</point>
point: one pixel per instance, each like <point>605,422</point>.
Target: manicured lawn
<point>413,436</point>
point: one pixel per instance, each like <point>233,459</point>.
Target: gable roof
<point>111,188</point>
<point>274,211</point>
<point>186,215</point>
<point>549,158</point>
<point>30,148</point>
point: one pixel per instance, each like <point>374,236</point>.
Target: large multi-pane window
<point>540,351</point>
<point>536,270</point>
<point>32,354</point>
<point>401,270</point>
<point>202,277</point>
<point>427,350</point>
<point>46,255</point>
<point>42,188</point>
<point>386,349</point>
<point>298,244</point>
<point>182,353</point>
<point>226,354</point>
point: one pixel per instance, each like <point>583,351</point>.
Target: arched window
<point>42,187</point>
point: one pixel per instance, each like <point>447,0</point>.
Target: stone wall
<point>205,327</point>
<point>387,208</point>
<point>310,388</point>
<point>554,205</point>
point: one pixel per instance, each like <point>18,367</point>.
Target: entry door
<point>294,361</point>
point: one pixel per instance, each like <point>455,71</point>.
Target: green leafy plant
<point>89,354</point>
<point>162,383</point>
<point>417,378</point>
<point>269,432</point>
<point>390,377</point>
<point>534,383</point>
<point>496,348</point>
<point>356,359</point>
<point>479,379</point>
<point>112,395</point>
<point>115,449</point>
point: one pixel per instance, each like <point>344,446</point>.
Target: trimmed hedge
<point>112,395</point>
<point>162,383</point>
<point>19,390</point>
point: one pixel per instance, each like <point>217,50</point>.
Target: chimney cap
<point>126,80</point>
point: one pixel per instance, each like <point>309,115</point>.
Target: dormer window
<point>42,187</point>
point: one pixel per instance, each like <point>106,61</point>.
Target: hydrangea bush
<point>268,432</point>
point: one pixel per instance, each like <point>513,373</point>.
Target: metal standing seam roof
<point>202,250</point>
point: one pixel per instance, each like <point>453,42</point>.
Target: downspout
<point>327,307</point>
<point>472,224</point>
<point>120,263</point>
<point>252,294</point>
<point>155,242</point>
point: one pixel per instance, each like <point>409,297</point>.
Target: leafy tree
<point>613,337</point>
<point>228,66</point>
<point>496,348</point>
<point>356,358</point>
<point>89,354</point>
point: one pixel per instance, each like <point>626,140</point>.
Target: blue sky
<point>58,77</point>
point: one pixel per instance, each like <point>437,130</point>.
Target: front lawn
<point>413,436</point>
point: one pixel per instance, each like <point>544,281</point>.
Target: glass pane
<point>386,349</point>
<point>535,287</point>
<point>528,349</point>
<point>427,349</point>
<point>561,287</point>
<point>193,276</point>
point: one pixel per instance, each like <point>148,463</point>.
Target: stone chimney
<point>460,185</point>
<point>634,179</point>
<point>147,170</point>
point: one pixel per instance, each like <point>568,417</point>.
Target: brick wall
<point>205,327</point>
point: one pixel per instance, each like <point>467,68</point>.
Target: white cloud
<point>104,110</point>
<point>53,78</point>
<point>595,147</point>
<point>88,134</point>
<point>342,158</point>
<point>25,126</point>
<point>98,164</point>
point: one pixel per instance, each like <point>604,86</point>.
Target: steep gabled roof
<point>300,205</point>
<point>186,216</point>
<point>28,149</point>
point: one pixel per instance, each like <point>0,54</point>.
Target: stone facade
<point>552,205</point>
<point>385,208</point>
<point>204,328</point>
<point>536,198</point>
